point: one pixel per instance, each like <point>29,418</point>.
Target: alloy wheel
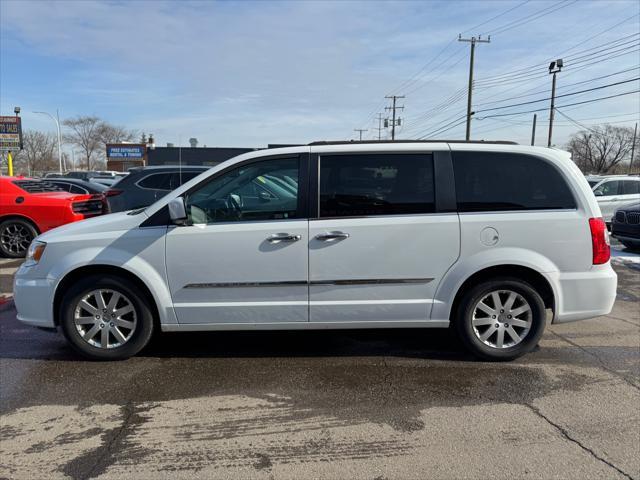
<point>15,238</point>
<point>502,319</point>
<point>105,318</point>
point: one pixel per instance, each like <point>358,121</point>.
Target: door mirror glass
<point>177,212</point>
<point>598,193</point>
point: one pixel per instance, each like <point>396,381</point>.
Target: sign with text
<point>125,151</point>
<point>10,134</point>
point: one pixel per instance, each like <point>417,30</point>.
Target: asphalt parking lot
<point>369,405</point>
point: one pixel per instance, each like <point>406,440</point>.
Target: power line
<point>530,18</point>
<point>562,106</point>
<point>497,16</point>
<point>562,86</point>
<point>560,96</point>
<point>572,58</point>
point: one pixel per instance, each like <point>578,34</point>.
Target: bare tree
<point>115,134</point>
<point>39,155</point>
<point>601,149</point>
<point>91,135</point>
<point>84,133</point>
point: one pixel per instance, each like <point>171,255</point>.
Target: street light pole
<point>554,67</point>
<point>59,140</point>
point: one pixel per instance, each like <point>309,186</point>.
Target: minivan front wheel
<point>501,319</point>
<point>104,318</point>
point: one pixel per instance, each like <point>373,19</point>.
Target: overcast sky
<point>251,73</point>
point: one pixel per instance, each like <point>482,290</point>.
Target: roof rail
<point>373,142</point>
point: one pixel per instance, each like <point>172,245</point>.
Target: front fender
<point>137,265</point>
<point>467,266</point>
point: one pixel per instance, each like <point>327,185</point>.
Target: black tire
<point>8,231</point>
<point>139,336</point>
<point>464,315</point>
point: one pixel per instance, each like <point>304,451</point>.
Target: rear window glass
<point>37,186</point>
<point>495,181</point>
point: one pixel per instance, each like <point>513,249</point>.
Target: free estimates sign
<point>10,134</point>
<point>124,151</point>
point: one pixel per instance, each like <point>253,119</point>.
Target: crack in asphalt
<point>565,434</point>
<point>623,320</point>
<point>600,361</point>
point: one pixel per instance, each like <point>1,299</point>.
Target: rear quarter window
<point>497,181</point>
<point>156,181</point>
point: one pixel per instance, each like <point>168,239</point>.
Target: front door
<point>243,257</point>
<point>379,248</point>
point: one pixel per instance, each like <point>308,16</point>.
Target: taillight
<point>87,208</point>
<point>112,192</point>
<point>599,241</point>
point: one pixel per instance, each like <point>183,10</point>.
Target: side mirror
<point>177,211</point>
<point>598,193</point>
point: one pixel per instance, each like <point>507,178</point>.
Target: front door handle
<point>283,237</point>
<point>332,236</point>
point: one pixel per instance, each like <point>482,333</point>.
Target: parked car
<point>614,192</point>
<point>484,237</point>
<point>82,174</point>
<point>625,226</point>
<point>75,185</point>
<point>105,181</point>
<point>29,207</point>
<point>144,185</point>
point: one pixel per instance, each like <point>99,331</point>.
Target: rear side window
<point>630,187</point>
<point>178,178</point>
<point>77,189</point>
<point>376,184</point>
<point>607,189</point>
<point>493,181</point>
<point>36,186</point>
<point>156,181</point>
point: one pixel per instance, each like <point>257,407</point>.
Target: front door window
<point>266,190</point>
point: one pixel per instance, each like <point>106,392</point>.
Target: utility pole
<point>633,146</point>
<point>472,41</point>
<point>360,130</point>
<point>554,67</point>
<point>380,116</point>
<point>393,108</point>
<point>533,130</point>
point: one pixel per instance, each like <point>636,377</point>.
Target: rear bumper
<point>585,295</point>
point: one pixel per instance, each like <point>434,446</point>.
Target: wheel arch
<point>536,279</point>
<point>18,216</point>
<point>80,272</point>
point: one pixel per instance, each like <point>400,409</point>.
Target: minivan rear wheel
<point>501,319</point>
<point>104,318</point>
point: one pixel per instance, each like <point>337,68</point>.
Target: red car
<point>29,207</point>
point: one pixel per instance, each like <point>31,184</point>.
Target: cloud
<point>249,73</point>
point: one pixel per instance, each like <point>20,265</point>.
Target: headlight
<point>34,254</point>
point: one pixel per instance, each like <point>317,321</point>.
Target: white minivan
<point>486,238</point>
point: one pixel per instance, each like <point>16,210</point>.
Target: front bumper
<point>33,298</point>
<point>585,295</point>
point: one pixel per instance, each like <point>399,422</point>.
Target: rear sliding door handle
<point>283,237</point>
<point>332,236</point>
